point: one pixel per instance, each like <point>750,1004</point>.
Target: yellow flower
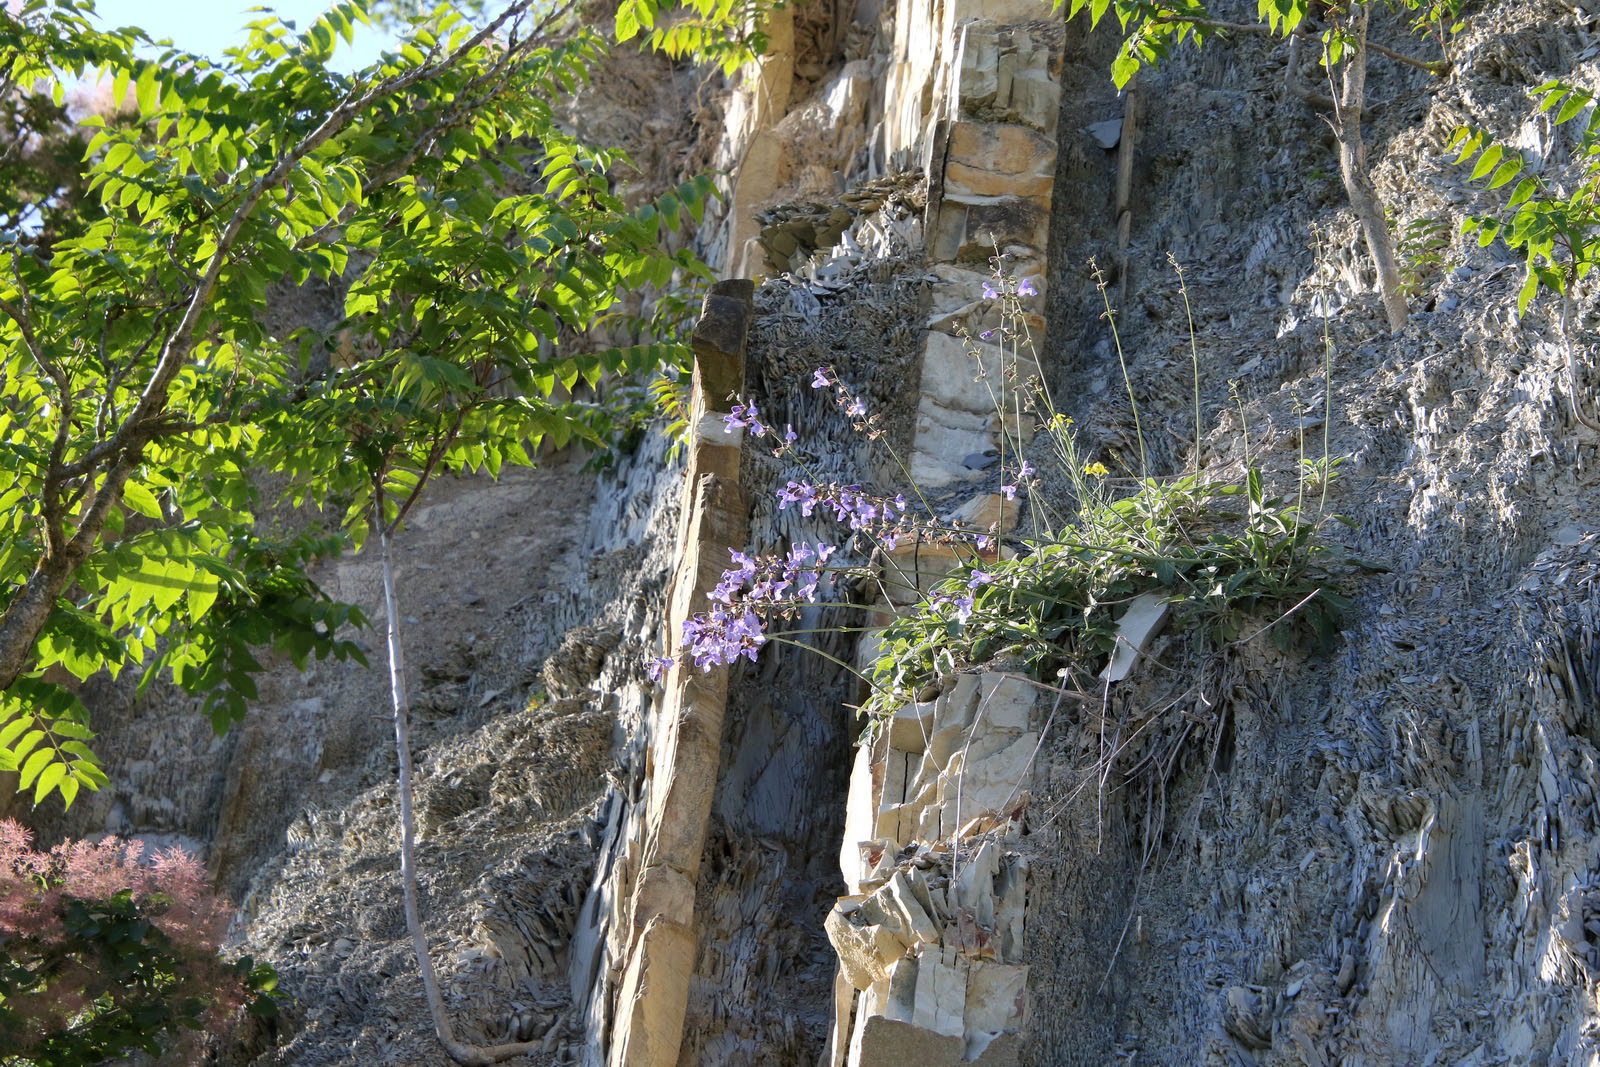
<point>1097,470</point>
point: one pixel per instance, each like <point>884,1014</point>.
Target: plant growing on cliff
<point>105,952</point>
<point>1153,28</point>
<point>1222,553</point>
<point>1555,226</point>
<point>146,406</point>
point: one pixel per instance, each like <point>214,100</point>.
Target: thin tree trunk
<point>1353,168</point>
<point>470,1055</point>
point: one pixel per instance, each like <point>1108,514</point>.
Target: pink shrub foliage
<point>104,947</point>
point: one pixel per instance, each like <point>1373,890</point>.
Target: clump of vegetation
<point>1421,249</point>
<point>105,951</point>
<point>150,412</point>
<point>1225,553</point>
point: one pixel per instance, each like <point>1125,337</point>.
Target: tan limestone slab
<point>650,1030</point>
<point>1036,100</point>
<point>987,159</point>
<point>866,951</point>
<point>910,728</point>
<point>916,565</point>
<point>973,376</point>
<point>1007,700</point>
<point>967,227</point>
<point>988,511</point>
<point>859,820</point>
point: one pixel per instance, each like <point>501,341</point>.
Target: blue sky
<point>209,26</point>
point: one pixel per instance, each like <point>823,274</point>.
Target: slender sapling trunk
<point>469,1055</point>
<point>1353,168</point>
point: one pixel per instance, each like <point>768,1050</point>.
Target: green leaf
<point>1123,68</point>
<point>146,91</point>
<point>201,595</point>
<point>49,779</point>
<point>1530,286</point>
<point>1575,104</point>
<point>141,500</point>
<point>33,765</point>
<point>13,729</point>
<point>1487,161</point>
<point>1508,170</point>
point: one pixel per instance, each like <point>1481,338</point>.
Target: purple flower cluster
<point>877,516</point>
<point>754,589</point>
<point>758,589</point>
<point>745,414</point>
<point>851,404</point>
<point>722,635</point>
<point>850,505</point>
<point>994,290</point>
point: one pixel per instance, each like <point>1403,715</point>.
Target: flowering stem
<point>1122,359</point>
<point>782,640</point>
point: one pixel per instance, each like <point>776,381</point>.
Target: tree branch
<point>27,613</point>
<point>424,142</point>
<point>50,506</point>
<point>461,1052</point>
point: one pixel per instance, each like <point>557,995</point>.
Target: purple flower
<point>982,541</point>
<point>986,334</point>
<point>1010,491</point>
<point>802,493</point>
<point>659,667</point>
<point>719,636</point>
<point>821,378</point>
<point>742,415</point>
<point>900,503</point>
<point>989,291</point>
<point>857,408</point>
<point>1026,288</point>
<point>1025,471</point>
<point>789,436</point>
<point>979,578</point>
<point>964,608</point>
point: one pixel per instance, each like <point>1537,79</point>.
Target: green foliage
<point>1153,28</point>
<point>1556,229</point>
<point>149,417</point>
<point>1056,602</point>
<point>729,33</point>
<point>1421,252</point>
<point>144,1003</point>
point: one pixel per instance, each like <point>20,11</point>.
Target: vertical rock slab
<point>991,175</point>
<point>653,946</point>
<point>930,938</point>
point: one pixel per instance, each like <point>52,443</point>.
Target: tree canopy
<point>151,417</point>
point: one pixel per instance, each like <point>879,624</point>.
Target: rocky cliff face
<point>1382,855</point>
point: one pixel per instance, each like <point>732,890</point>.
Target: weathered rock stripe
<point>930,936</point>
<point>653,949</point>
